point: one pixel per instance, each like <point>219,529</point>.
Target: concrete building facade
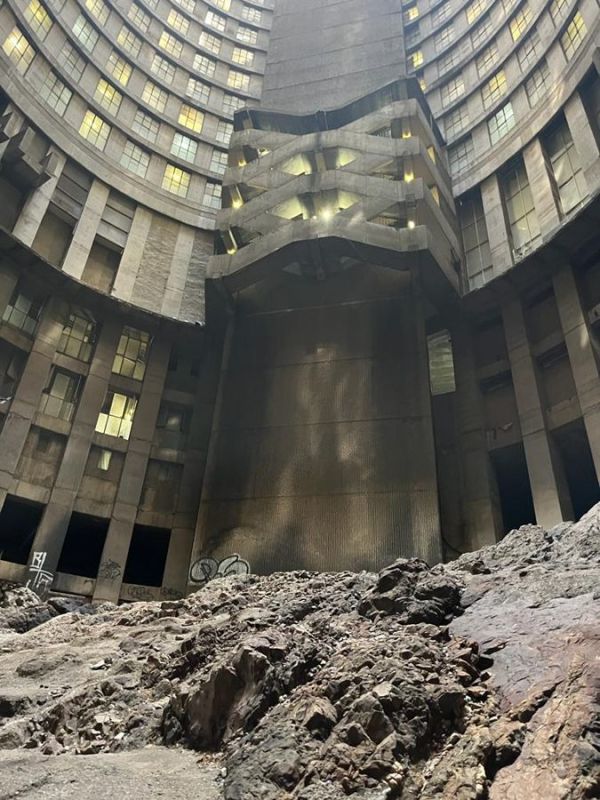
<point>386,344</point>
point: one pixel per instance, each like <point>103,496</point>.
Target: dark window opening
<point>19,521</point>
<point>574,449</point>
<point>147,555</point>
<point>83,545</point>
<point>514,488</point>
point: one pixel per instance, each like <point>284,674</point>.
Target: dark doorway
<point>147,555</point>
<point>513,486</point>
<point>19,521</point>
<point>574,449</point>
<point>83,545</point>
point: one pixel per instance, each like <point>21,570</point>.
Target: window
<point>139,18</point>
<point>215,21</point>
<point>481,32</point>
<point>163,68</point>
<point>247,35</point>
<point>78,336</point>
<point>98,9</point>
<point>145,125</point>
<point>444,38</point>
<point>119,68</point>
<point>85,32</point>
<point>224,131</point>
<point>441,363</point>
<point>218,162</point>
<point>231,103</point>
<point>198,91</point>
<point>135,159</point>
<point>108,96</point>
<point>94,129</point>
<point>536,87</point>
<point>18,49</point>
<point>23,312</point>
<point>55,93</point>
<point>183,147</point>
<point>104,459</point>
<point>176,180</point>
<point>238,80</point>
<point>486,60</point>
<point>456,120</point>
<point>565,164</point>
<point>170,44</point>
<point>519,22</point>
<point>558,9</point>
<point>132,352</point>
<point>38,18</point>
<point>155,96</point>
<point>494,89</point>
<point>210,42</point>
<point>529,51</point>
<point>224,5</point>
<point>178,21</point>
<point>251,15</point>
<point>116,416</point>
<point>416,59</point>
<point>441,13</point>
<point>187,5</point>
<point>573,36</point>
<point>212,195</point>
<point>474,10</point>
<point>72,61</point>
<point>448,60</point>
<point>129,41</point>
<point>501,123</point>
<point>60,397</point>
<point>412,36</point>
<point>242,56</point>
<point>204,65</point>
<point>524,227</point>
<point>476,246</point>
<point>460,157</point>
<point>172,418</point>
<point>452,90</point>
<point>191,118</point>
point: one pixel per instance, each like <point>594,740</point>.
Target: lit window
<point>486,60</point>
<point>163,68</point>
<point>520,210</point>
<point>251,15</point>
<point>565,164</point>
<point>198,91</point>
<point>155,96</point>
<point>170,44</point>
<point>238,80</point>
<point>519,22</point>
<point>183,147</point>
<point>212,195</point>
<point>60,397</point>
<point>476,245</point>
<point>210,42</point>
<point>444,38</point>
<point>416,58</point>
<point>139,18</point>
<point>474,10</point>
<point>72,61</point>
<point>456,121</point>
<point>116,416</point>
<point>536,87</point>
<point>242,56</point>
<point>129,41</point>
<point>205,65</point>
<point>176,180</point>
<point>95,130</point>
<point>494,89</point>
<point>145,125</point>
<point>529,51</point>
<point>132,353</point>
<point>481,32</point>
<point>191,118</point>
<point>573,36</point>
<point>38,18</point>
<point>231,103</point>
<point>98,9</point>
<point>23,312</point>
<point>119,68</point>
<point>135,159</point>
<point>85,33</point>
<point>78,336</point>
<point>224,131</point>
<point>104,459</point>
<point>460,157</point>
<point>178,21</point>
<point>247,35</point>
<point>55,93</point>
<point>218,162</point>
<point>108,96</point>
<point>215,21</point>
<point>452,90</point>
<point>411,14</point>
<point>224,5</point>
<point>501,123</point>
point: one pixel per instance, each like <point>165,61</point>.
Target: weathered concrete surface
<point>476,680</point>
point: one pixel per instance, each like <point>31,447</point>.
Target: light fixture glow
<point>411,223</point>
<point>409,176</point>
<point>326,214</point>
<point>237,202</point>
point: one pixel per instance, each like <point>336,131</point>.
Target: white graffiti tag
<point>40,579</point>
<point>205,569</point>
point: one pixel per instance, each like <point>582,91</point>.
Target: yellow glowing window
<point>116,416</point>
<point>119,68</point>
<point>494,89</point>
<point>225,5</point>
<point>170,44</point>
<point>210,42</point>
<point>435,193</point>
<point>38,18</point>
<point>238,80</point>
<point>422,84</point>
<point>95,130</point>
<point>416,58</point>
<point>474,10</point>
<point>191,118</point>
<point>215,21</point>
<point>573,36</point>
<point>178,21</point>
<point>519,22</point>
<point>18,49</point>
<point>108,96</point>
<point>176,181</point>
<point>154,96</point>
<point>242,56</point>
<point>411,13</point>
<point>99,9</point>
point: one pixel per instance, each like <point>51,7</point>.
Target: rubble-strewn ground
<point>480,679</point>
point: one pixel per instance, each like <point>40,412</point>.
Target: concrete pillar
<point>581,355</point>
<point>36,205</point>
<point>51,532</point>
<point>495,220</point>
<point>550,493</point>
<point>85,230</point>
<point>178,271</point>
<point>541,186</point>
<point>583,138</point>
<point>480,504</point>
<point>132,254</point>
<point>127,501</point>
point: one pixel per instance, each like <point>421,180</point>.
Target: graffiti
<point>109,570</point>
<point>140,593</point>
<point>205,569</point>
<point>40,579</point>
<point>170,594</point>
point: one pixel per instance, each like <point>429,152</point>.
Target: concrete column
<point>548,485</point>
<point>480,504</point>
<point>495,220</point>
<point>36,205</point>
<point>541,186</point>
<point>581,355</point>
<point>51,532</point>
<point>583,138</point>
<point>125,509</point>
<point>132,254</point>
<point>85,230</point>
<point>27,396</point>
<point>178,271</point>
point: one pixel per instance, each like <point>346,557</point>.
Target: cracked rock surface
<point>478,679</point>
